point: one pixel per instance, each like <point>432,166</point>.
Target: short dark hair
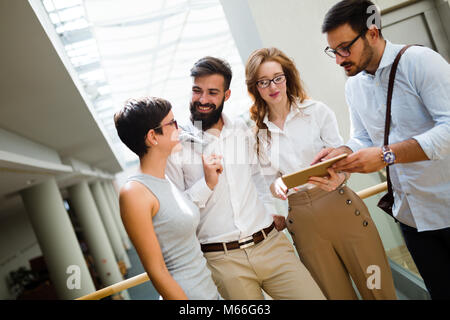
<point>136,118</point>
<point>354,12</point>
<point>209,65</point>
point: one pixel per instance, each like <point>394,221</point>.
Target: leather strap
<point>256,238</point>
<point>387,124</point>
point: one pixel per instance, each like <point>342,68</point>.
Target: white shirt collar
<point>295,110</point>
<point>228,126</point>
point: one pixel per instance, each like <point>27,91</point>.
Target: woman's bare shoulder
<point>135,196</point>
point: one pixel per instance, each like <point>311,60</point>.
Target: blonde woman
<point>331,227</point>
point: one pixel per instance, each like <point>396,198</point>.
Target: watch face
<point>389,157</point>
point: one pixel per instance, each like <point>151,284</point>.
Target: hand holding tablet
<point>318,170</point>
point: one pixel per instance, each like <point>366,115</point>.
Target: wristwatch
<point>388,155</point>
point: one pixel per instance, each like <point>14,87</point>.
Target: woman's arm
<point>330,182</point>
<point>137,207</point>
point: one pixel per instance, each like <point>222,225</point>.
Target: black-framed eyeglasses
<point>341,51</point>
<point>174,122</point>
<point>265,83</point>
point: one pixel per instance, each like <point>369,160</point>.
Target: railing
<point>117,287</point>
<point>143,277</point>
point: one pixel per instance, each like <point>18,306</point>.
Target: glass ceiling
<point>132,48</point>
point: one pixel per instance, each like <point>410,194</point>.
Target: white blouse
<point>309,127</point>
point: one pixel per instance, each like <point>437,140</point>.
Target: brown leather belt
<point>255,238</point>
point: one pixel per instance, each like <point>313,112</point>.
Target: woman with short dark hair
<point>160,221</point>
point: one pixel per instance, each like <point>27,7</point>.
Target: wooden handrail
<point>366,193</point>
<point>143,277</point>
<point>117,287</point>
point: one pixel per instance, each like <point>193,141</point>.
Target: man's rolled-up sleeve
<point>431,74</point>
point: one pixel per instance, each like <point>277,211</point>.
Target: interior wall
<point>14,143</point>
<point>18,245</point>
<point>443,8</point>
<point>295,27</point>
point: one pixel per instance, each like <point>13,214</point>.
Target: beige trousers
<point>336,238</point>
<point>271,265</point>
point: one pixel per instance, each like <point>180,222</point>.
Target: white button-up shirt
<point>420,110</point>
<point>241,203</point>
<point>309,127</point>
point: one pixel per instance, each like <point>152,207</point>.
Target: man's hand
<point>280,222</point>
<point>328,153</point>
<point>212,168</point>
<point>364,161</point>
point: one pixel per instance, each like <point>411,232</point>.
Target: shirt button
<point>349,201</point>
<point>357,213</point>
<point>341,191</point>
<point>290,221</point>
<point>365,223</point>
<point>289,209</point>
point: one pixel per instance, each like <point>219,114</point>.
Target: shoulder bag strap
<point>388,106</point>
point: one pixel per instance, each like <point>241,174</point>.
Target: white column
<point>115,196</point>
<point>118,224</point>
<point>57,240</point>
<point>108,221</point>
<point>115,209</point>
<point>93,230</point>
<point>242,25</point>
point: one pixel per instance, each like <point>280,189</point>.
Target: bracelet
<point>343,184</point>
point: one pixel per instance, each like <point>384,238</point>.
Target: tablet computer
<point>318,170</point>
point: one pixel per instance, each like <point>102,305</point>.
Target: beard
<point>207,119</point>
<point>366,57</point>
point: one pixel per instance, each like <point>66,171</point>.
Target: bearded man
<point>238,229</point>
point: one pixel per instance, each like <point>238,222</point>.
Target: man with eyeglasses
<point>418,153</point>
<point>218,170</point>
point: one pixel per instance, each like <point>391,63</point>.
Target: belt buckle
<point>246,242</point>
